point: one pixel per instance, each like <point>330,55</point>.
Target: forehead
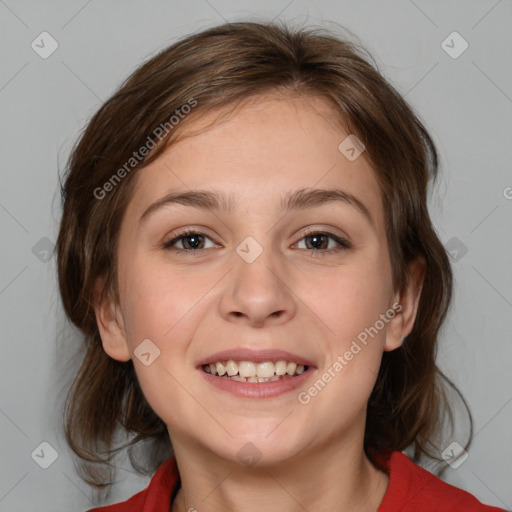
<point>258,154</point>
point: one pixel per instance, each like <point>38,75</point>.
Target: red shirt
<point>410,489</point>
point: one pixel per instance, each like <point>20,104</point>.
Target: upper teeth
<point>250,369</point>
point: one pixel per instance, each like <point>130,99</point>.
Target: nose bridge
<point>258,289</point>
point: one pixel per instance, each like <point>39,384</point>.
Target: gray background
<point>466,102</point>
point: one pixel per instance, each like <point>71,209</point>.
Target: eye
<point>324,242</point>
<point>191,241</point>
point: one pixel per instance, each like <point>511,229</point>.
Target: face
<point>271,271</point>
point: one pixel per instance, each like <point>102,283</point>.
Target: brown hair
<point>219,67</point>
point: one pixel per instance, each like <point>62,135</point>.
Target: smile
<point>254,372</point>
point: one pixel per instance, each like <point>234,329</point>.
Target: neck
<point>338,476</point>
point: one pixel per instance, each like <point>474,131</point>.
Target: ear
<point>110,323</point>
<point>405,305</point>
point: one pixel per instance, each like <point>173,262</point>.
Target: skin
<point>315,305</point>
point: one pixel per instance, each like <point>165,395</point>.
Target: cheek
<point>157,299</point>
<point>355,300</point>
<point>353,307</point>
<point>165,308</point>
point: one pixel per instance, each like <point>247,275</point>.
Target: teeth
<point>290,368</point>
<point>221,369</point>
<point>248,371</point>
<point>231,368</point>
<point>265,369</point>
<point>280,367</point>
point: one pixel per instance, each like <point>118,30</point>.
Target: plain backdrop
<point>465,101</point>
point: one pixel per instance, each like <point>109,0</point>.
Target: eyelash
<point>343,243</point>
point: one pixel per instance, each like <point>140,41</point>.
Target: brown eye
<point>191,241</point>
<point>321,241</point>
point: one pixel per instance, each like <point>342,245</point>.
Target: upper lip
<point>257,356</point>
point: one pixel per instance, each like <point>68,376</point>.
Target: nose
<point>258,293</point>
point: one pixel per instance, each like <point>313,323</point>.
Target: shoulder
<point>156,497</point>
<point>414,489</point>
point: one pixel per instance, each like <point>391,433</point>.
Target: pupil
<point>193,244</point>
<point>316,241</point>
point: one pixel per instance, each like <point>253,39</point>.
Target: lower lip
<point>258,389</point>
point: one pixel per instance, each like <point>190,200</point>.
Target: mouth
<point>256,374</point>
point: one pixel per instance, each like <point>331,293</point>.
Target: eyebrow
<point>300,199</point>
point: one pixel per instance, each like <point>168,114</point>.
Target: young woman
<point>246,246</point>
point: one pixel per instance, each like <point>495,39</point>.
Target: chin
<point>254,449</point>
